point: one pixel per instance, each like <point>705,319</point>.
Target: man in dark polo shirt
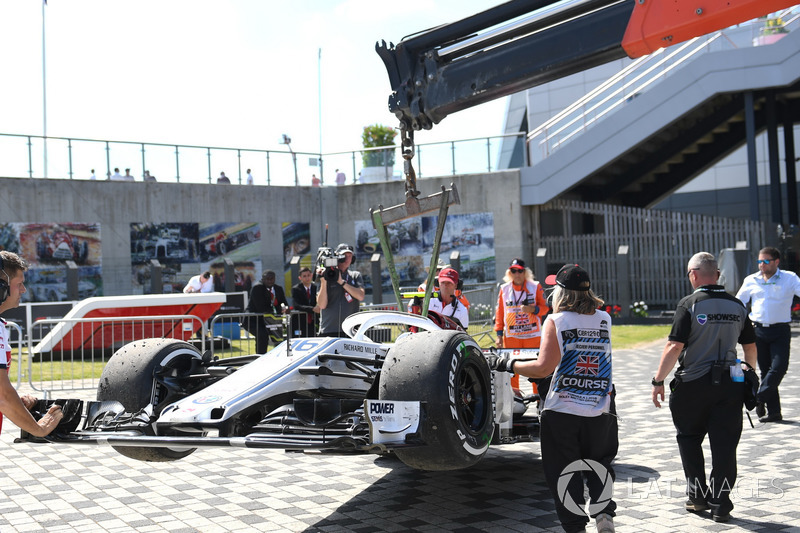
<point>341,297</point>
<point>704,398</point>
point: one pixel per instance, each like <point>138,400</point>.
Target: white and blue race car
<point>429,397</point>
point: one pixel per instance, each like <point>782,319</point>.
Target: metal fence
<point>229,337</point>
<point>482,299</point>
<point>657,243</point>
<point>22,156</point>
<point>72,352</point>
<point>58,354</point>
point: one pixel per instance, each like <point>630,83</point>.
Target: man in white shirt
<point>249,177</point>
<point>12,405</point>
<point>770,292</point>
<point>116,176</point>
<point>200,283</point>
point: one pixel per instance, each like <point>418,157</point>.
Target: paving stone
<point>94,489</point>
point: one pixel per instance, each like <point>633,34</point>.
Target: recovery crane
<point>521,44</point>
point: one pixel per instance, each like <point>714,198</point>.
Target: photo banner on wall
<point>411,242</point>
<point>47,247</point>
<point>296,242</point>
<point>186,249</point>
<point>472,235</point>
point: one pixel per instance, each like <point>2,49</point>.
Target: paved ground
<point>93,489</point>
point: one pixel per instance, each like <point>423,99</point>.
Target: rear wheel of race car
<point>446,371</point>
<point>150,371</point>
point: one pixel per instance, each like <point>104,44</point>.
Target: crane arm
<point>456,66</point>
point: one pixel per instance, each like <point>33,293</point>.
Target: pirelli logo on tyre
<point>471,397</point>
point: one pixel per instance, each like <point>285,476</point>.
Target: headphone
<point>3,282</point>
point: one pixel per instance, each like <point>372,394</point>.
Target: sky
<point>233,73</point>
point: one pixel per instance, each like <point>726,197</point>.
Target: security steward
<point>704,398</point>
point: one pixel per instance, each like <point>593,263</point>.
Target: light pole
<point>288,142</point>
<point>319,109</point>
<point>44,91</point>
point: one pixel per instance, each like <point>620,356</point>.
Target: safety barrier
<point>69,354</point>
<point>232,337</point>
<point>72,352</point>
<point>483,301</point>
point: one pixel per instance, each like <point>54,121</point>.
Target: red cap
<point>449,274</point>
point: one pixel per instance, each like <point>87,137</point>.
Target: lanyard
<point>523,292</point>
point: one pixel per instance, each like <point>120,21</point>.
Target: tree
<point>375,136</point>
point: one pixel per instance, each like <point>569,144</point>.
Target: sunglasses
<point>765,261</point>
<point>517,270</point>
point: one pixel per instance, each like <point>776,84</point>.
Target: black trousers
<point>257,326</point>
<point>700,408</point>
<point>772,345</point>
<point>567,438</point>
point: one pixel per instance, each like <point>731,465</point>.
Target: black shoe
<point>771,418</point>
<point>719,516</point>
<point>761,410</point>
<point>720,513</point>
<point>695,506</point>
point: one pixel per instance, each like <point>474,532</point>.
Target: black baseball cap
<point>571,277</point>
<point>517,263</point>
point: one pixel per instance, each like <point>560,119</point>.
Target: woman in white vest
<point>520,307</point>
<point>578,422</point>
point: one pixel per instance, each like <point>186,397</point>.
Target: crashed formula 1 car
<point>430,398</point>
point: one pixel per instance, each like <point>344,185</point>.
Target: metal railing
<point>74,360</point>
<point>22,156</point>
<point>72,356</point>
<point>482,305</point>
<point>630,82</point>
<point>231,338</point>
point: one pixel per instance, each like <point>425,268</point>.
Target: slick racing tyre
<point>446,371</point>
<point>150,371</point>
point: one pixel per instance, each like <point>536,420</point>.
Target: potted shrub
<point>377,164</point>
<point>772,31</point>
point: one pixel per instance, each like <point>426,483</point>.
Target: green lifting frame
<point>414,207</point>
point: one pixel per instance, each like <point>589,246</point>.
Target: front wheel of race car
<point>148,371</point>
<point>446,371</point>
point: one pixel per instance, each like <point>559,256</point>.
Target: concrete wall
<point>115,205</point>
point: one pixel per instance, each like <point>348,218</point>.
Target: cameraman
<point>339,296</point>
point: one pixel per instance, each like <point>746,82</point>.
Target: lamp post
<point>319,109</point>
<point>44,92</point>
<point>288,142</point>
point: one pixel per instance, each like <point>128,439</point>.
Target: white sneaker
<point>605,523</point>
